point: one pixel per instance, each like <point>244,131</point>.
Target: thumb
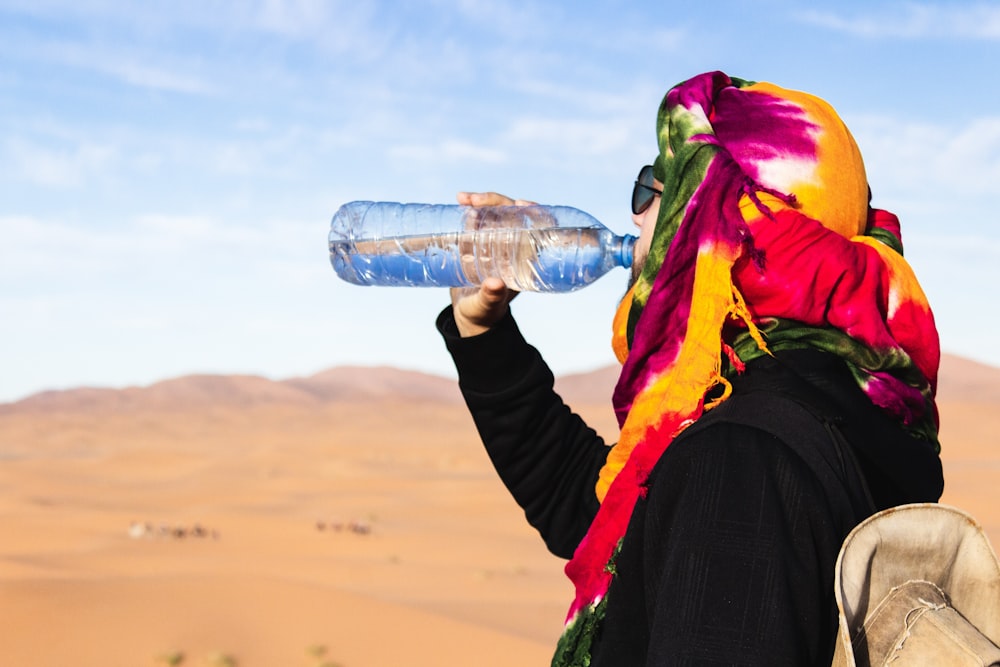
<point>493,292</point>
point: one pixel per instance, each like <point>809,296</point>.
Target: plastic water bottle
<point>531,248</point>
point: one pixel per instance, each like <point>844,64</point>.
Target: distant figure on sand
<point>141,529</point>
<point>356,526</point>
<point>779,364</point>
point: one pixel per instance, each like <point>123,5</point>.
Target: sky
<point>168,170</point>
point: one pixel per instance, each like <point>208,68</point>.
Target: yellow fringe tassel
<point>739,309</point>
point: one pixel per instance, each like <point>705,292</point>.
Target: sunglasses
<point>643,192</point>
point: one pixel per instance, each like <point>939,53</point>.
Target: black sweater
<point>730,557</point>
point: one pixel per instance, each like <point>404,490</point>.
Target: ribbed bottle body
<point>531,248</point>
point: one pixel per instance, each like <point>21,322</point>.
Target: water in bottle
<point>531,248</point>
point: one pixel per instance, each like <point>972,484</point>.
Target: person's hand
<point>477,309</point>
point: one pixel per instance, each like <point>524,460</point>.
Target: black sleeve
<point>545,454</point>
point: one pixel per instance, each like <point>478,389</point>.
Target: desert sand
<point>350,518</point>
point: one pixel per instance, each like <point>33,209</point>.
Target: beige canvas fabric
<point>918,585</point>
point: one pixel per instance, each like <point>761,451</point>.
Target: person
<point>779,364</point>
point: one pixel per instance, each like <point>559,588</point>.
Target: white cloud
<point>37,249</point>
<point>922,157</point>
<point>293,17</point>
<point>571,137</point>
<point>628,98</point>
<point>153,46</point>
<point>34,249</point>
<point>522,21</point>
<point>154,77</point>
<point>340,27</point>
<point>912,20</point>
<point>452,151</point>
<point>126,60</point>
<point>65,166</point>
<point>972,157</point>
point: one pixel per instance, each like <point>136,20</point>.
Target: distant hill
<point>960,380</point>
<point>964,380</point>
<point>351,383</point>
<point>341,384</point>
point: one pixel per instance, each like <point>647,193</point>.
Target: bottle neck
<point>624,250</point>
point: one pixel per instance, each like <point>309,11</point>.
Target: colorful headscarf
<point>764,241</point>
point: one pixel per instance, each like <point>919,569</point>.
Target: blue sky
<point>168,170</point>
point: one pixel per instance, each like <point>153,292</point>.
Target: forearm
<point>544,453</point>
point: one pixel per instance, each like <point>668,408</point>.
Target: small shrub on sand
<point>220,660</point>
<point>316,651</point>
<point>170,658</point>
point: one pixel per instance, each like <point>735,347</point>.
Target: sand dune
<point>350,518</point>
<point>243,620</point>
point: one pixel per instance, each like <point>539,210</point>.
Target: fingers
<point>489,199</point>
<point>484,199</point>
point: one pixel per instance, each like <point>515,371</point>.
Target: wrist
<point>467,328</point>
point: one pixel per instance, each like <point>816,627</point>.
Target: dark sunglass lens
<point>641,198</point>
<point>646,176</point>
<point>643,191</point>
